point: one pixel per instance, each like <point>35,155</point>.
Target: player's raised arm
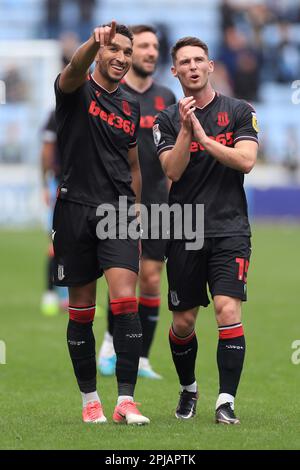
<point>74,74</point>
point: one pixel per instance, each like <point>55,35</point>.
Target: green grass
<point>41,406</point>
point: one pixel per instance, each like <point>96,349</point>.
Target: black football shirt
<point>95,130</point>
<point>205,180</point>
<point>153,100</point>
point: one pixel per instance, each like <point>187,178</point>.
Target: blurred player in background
<point>54,298</point>
<point>97,124</point>
<point>51,167</point>
<point>152,98</point>
<point>206,144</point>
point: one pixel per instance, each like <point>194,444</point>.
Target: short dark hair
<point>122,29</point>
<point>188,41</point>
<point>142,28</point>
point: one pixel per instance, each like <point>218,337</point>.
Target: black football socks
<point>81,344</point>
<point>148,312</point>
<point>127,340</point>
<point>184,353</point>
<point>230,357</point>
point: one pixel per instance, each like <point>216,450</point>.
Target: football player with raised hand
<point>97,124</point>
<point>153,98</point>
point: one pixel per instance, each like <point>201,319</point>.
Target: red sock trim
<point>124,305</point>
<point>82,314</point>
<point>231,331</point>
<point>179,340</point>
<point>150,302</point>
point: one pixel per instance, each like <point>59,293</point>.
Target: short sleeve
<point>163,133</point>
<point>62,97</point>
<point>246,126</point>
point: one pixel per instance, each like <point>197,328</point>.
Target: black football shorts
<point>153,249</point>
<point>80,256</point>
<point>222,264</point>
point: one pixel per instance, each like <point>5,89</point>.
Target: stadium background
<point>257,48</point>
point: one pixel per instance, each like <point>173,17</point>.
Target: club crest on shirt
<point>254,122</point>
<point>156,134</point>
<point>223,119</point>
<point>126,108</point>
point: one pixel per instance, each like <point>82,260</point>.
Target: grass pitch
<point>41,406</point>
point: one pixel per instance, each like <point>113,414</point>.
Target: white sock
<point>124,397</point>
<point>225,398</point>
<point>87,397</point>
<point>144,362</point>
<point>108,337</point>
<point>107,348</point>
<point>190,388</point>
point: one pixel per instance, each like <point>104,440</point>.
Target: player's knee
<point>228,313</point>
<point>184,323</point>
<point>150,283</point>
<point>121,282</point>
<point>122,291</point>
<point>83,296</point>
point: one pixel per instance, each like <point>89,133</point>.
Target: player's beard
<point>141,72</point>
<point>105,73</point>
